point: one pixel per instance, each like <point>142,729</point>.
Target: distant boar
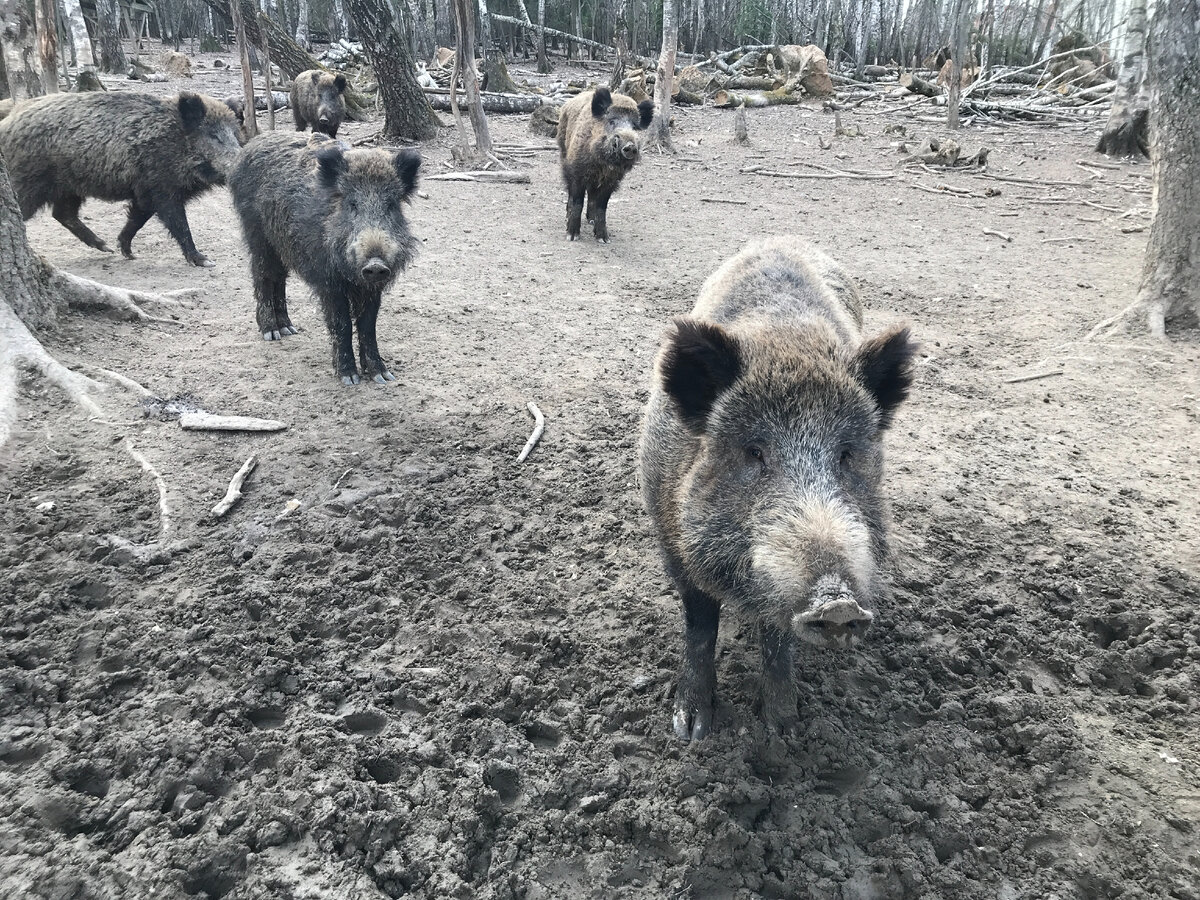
<point>318,99</point>
<point>762,464</point>
<point>336,218</point>
<point>599,142</point>
<point>157,154</point>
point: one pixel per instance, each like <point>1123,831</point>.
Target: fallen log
<point>439,99</point>
<point>918,85</point>
<point>751,83</point>
<point>756,99</point>
<point>529,26</point>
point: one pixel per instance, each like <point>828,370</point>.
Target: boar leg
<point>779,692</point>
<point>341,332</point>
<point>270,294</point>
<point>373,365</point>
<point>66,211</point>
<point>600,222</point>
<point>575,192</point>
<point>296,116</point>
<point>138,216</point>
<point>696,692</point>
<point>173,216</point>
<point>591,206</point>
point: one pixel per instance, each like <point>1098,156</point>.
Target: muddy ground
<point>449,675</point>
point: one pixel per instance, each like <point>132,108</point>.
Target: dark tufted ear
<point>191,110</point>
<point>646,109</point>
<point>238,107</point>
<point>885,369</point>
<point>331,165</point>
<point>698,363</point>
<point>601,101</point>
<point>316,77</point>
<point>340,83</point>
<point>407,163</point>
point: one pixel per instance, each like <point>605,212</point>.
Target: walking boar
<point>762,465</point>
<point>156,153</point>
<point>599,142</point>
<point>318,99</point>
<point>334,217</point>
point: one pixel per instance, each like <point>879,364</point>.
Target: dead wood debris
<point>539,425</point>
<point>234,493</point>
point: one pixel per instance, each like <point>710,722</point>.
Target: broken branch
<point>234,494</point>
<point>539,425</point>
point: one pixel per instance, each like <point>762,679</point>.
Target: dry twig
<point>234,494</point>
<point>200,421</point>
<point>1035,377</point>
<point>1000,234</point>
<point>164,511</point>
<point>539,425</point>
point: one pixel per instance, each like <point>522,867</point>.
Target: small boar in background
<point>762,465</point>
<point>336,218</point>
<point>318,99</point>
<point>599,142</point>
<point>156,153</point>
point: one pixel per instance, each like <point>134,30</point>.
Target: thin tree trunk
<point>18,42</point>
<point>407,114</point>
<point>302,37</point>
<point>1170,289</point>
<point>46,16</point>
<point>1125,132</point>
<point>108,37</point>
<point>660,131</point>
<point>464,20</point>
<point>80,41</point>
<point>249,114</point>
<point>340,20</point>
<point>958,50</point>
<point>542,62</point>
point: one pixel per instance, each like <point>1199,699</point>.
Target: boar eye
<point>755,455</point>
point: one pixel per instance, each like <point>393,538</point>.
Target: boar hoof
<point>384,377</point>
<point>692,722</point>
<point>289,330</point>
<point>351,379</point>
<point>272,336</point>
<point>199,259</point>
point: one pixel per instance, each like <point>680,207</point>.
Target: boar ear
<point>191,110</point>
<point>698,363</point>
<point>236,106</point>
<point>601,101</point>
<point>407,163</point>
<point>646,110</point>
<point>340,83</point>
<point>331,165</point>
<point>885,369</point>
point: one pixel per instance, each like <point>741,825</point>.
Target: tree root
<point>83,294</point>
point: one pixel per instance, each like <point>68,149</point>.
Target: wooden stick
<point>200,421</point>
<point>1039,375</point>
<point>234,494</point>
<point>164,511</point>
<point>723,200</point>
<point>484,176</point>
<point>1016,180</point>
<point>539,425</point>
<point>119,379</point>
<point>1097,165</point>
<point>859,176</point>
<point>999,234</point>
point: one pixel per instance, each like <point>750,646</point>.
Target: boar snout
<point>834,618</point>
<point>376,271</point>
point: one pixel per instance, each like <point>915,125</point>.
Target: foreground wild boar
<point>599,142</point>
<point>318,99</point>
<point>336,218</point>
<point>157,154</point>
<point>762,465</point>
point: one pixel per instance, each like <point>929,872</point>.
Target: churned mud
<point>449,675</point>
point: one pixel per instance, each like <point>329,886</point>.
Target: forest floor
<point>449,675</point>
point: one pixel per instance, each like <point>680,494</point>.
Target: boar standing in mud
<point>599,142</point>
<point>156,153</point>
<point>318,99</point>
<point>334,217</point>
<point>762,465</point>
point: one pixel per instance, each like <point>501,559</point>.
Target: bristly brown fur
<point>317,95</point>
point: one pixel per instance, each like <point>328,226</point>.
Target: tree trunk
<point>46,17</point>
<point>23,279</point>
<point>18,40</point>
<point>660,131</point>
<point>464,21</point>
<point>249,115</point>
<point>80,42</point>
<point>959,25</point>
<point>108,37</point>
<point>340,21</point>
<point>490,102</point>
<point>1125,132</point>
<point>542,62</point>
<point>302,37</point>
<point>1170,289</point>
<point>407,114</point>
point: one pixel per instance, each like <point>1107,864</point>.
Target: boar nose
<point>629,151</point>
<point>836,623</point>
<point>375,270</point>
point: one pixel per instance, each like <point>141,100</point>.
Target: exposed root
<point>18,345</point>
<point>83,294</point>
<point>120,379</point>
